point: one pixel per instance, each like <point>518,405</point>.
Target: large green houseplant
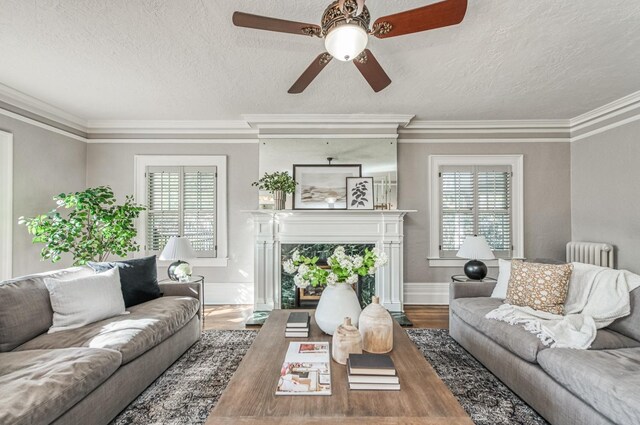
<point>89,225</point>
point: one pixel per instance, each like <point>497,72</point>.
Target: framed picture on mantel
<point>360,193</point>
<point>322,187</point>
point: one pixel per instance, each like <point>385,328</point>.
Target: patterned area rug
<point>190,388</point>
<point>485,398</point>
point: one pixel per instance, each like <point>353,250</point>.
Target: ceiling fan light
<point>346,42</point>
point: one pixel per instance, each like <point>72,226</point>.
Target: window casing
<point>142,163</point>
<point>475,194</point>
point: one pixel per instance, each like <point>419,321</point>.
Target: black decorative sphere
<point>475,269</point>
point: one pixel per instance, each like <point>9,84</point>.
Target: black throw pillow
<point>138,278</point>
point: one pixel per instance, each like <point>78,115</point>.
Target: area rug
<point>485,398</point>
<point>187,392</point>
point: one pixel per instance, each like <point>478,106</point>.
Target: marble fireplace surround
<point>272,229</point>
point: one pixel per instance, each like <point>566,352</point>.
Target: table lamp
<point>178,249</point>
<point>475,248</point>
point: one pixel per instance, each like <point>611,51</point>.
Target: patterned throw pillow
<point>542,287</point>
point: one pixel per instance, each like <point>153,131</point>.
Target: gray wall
<point>605,192</point>
<point>45,163</point>
<point>113,164</point>
<point>547,197</point>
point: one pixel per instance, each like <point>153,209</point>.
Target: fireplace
<point>292,297</point>
<point>277,233</point>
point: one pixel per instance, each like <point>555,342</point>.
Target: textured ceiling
<point>183,59</point>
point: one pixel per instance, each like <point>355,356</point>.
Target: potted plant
<point>93,228</point>
<point>279,184</point>
<point>338,299</point>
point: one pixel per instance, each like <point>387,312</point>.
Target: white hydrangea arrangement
<point>342,267</point>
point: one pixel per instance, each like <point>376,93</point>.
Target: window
<point>475,200</point>
<point>182,202</point>
<point>475,194</point>
<point>186,196</point>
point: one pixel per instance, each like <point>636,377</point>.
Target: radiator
<point>599,254</point>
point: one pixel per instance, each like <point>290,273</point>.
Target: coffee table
<point>250,398</point>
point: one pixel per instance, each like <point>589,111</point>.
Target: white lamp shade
<point>475,248</point>
<point>177,248</point>
<point>346,42</point>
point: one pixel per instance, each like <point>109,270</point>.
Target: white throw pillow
<point>504,273</point>
<point>78,302</point>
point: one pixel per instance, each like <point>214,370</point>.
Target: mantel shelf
<point>327,211</point>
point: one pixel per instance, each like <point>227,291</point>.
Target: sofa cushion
<point>540,286</point>
<point>132,335</point>
<point>38,386</point>
<point>25,308</point>
<point>514,337</point>
<point>138,278</point>
<point>79,302</point>
<point>607,380</point>
<point>630,325</point>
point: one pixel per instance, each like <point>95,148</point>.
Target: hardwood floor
<point>232,317</point>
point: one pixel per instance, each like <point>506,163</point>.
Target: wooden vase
<point>376,328</point>
<point>346,340</point>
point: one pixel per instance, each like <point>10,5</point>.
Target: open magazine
<point>306,370</point>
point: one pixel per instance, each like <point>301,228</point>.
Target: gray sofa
<point>86,375</point>
<point>566,386</point>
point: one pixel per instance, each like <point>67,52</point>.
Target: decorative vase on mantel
<point>376,328</point>
<point>337,302</point>
<point>279,199</point>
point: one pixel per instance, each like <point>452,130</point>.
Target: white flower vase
<point>337,302</point>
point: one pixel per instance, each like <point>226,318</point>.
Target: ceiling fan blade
<point>247,20</point>
<point>371,70</point>
<point>310,73</point>
<point>437,15</point>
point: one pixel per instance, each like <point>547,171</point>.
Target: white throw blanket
<point>597,296</point>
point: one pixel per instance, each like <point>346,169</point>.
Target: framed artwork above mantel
<point>322,186</point>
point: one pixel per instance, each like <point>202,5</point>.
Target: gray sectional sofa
<point>86,375</point>
<point>566,386</point>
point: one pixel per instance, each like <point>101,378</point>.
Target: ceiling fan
<point>345,27</point>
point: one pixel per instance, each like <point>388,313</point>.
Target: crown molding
<point>610,110</point>
<point>253,127</point>
<point>333,121</point>
<point>506,125</point>
<point>39,108</point>
<point>168,126</point>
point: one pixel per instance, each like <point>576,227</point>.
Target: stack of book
<point>297,325</point>
<point>372,372</point>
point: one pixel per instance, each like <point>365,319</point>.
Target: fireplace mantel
<point>383,228</point>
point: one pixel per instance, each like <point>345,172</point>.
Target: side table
<point>464,278</point>
<point>193,279</point>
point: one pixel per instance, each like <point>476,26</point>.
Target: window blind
<point>182,201</point>
<point>475,200</point>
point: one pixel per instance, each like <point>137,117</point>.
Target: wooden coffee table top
<point>250,398</point>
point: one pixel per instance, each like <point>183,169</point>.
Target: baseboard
<point>228,293</point>
<point>430,293</point>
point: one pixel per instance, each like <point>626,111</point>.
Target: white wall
<point>605,192</point>
<point>113,164</point>
<point>45,164</point>
<point>547,208</point>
